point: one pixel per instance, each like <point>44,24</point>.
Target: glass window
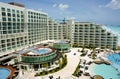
<point>9,24</point>
<point>13,10</point>
<point>31,16</point>
<point>22,16</point>
<point>3,14</point>
<point>9,28</point>
<point>22,24</point>
<point>4,32</point>
<point>14,24</point>
<point>13,39</point>
<point>2,41</point>
<point>18,20</point>
<point>3,9</point>
<point>17,11</point>
<point>14,19</point>
<point>21,12</point>
<point>14,31</point>
<point>4,28</point>
<point>14,27</point>
<point>22,30</point>
<point>8,10</point>
<point>18,24</point>
<point>8,40</point>
<point>9,19</point>
<point>4,24</point>
<point>18,27</point>
<point>9,31</point>
<point>18,15</point>
<point>22,20</point>
<point>3,45</point>
<point>13,15</point>
<point>4,19</point>
<point>9,14</point>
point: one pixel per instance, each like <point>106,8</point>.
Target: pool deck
<point>12,70</point>
<point>67,71</point>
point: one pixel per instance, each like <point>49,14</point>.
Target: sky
<point>99,11</point>
<point>106,12</point>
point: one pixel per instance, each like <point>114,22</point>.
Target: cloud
<point>114,4</point>
<point>54,5</point>
<point>63,6</point>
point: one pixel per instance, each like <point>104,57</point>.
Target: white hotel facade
<point>21,28</point>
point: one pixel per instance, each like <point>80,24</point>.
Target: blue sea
<point>115,29</point>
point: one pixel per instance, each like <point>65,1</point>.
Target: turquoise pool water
<point>115,59</point>
<point>106,71</point>
<point>42,51</point>
<point>4,73</point>
<point>61,42</point>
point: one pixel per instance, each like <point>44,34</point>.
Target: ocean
<point>115,29</point>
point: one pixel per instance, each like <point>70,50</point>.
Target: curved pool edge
<point>7,75</point>
<point>93,67</point>
<point>116,65</point>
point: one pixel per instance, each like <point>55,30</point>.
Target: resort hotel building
<point>23,31</point>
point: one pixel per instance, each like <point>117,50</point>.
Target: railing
<point>8,56</point>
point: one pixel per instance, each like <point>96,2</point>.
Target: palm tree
<point>82,49</point>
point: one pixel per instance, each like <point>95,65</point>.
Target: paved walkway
<point>66,73</point>
<point>68,70</point>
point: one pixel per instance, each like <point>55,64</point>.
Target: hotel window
<point>4,19</point>
<point>8,40</point>
<point>9,24</point>
<point>22,20</point>
<point>4,24</point>
<point>18,15</point>
<point>21,12</point>
<point>18,20</point>
<point>9,19</point>
<point>22,16</point>
<point>9,14</point>
<point>28,16</point>
<point>3,45</point>
<point>4,32</point>
<point>14,19</point>
<point>13,10</point>
<point>28,12</point>
<point>17,11</point>
<point>3,14</point>
<point>13,15</point>
<point>14,31</point>
<point>2,41</point>
<point>31,16</point>
<point>8,10</point>
<point>3,9</point>
<point>14,24</point>
<point>9,28</point>
<point>31,12</point>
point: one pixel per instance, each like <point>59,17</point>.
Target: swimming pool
<point>61,42</point>
<point>115,59</point>
<point>42,50</point>
<point>106,71</point>
<point>4,73</point>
